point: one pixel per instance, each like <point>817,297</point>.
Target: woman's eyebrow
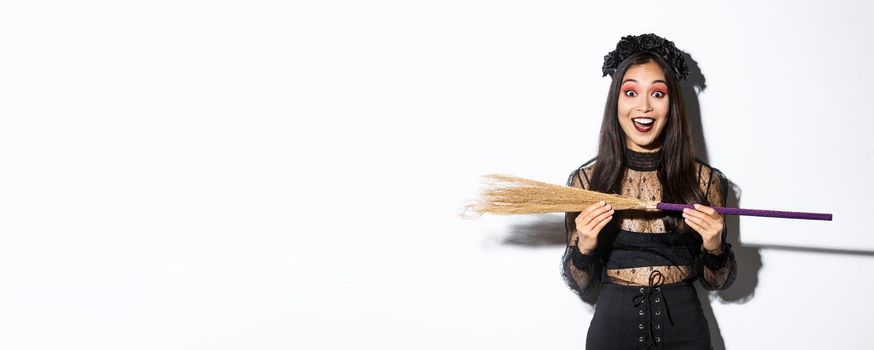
<point>654,81</point>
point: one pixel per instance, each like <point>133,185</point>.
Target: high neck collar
<point>641,161</point>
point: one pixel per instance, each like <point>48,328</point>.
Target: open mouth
<point>643,124</point>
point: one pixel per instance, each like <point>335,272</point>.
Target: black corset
<point>637,249</point>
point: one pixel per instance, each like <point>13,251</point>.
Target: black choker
<point>641,161</point>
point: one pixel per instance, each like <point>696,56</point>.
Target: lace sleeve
<point>719,270</point>
<point>581,272</point>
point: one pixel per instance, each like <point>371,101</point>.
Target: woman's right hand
<point>589,224</point>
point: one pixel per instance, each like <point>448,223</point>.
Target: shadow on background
<point>815,250</point>
<point>749,259</point>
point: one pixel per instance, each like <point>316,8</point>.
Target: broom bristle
<point>508,195</point>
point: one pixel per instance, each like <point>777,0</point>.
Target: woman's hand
<point>708,223</point>
<point>589,225</point>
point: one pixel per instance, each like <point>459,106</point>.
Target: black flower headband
<point>630,45</point>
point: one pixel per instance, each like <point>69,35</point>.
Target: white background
<point>274,175</point>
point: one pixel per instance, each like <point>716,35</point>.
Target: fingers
<point>604,221</point>
<point>592,213</point>
<point>705,209</point>
<point>704,216</point>
<point>695,226</point>
<point>600,220</point>
<point>705,220</point>
<point>696,219</point>
<point>589,224</point>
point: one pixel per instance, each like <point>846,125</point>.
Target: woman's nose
<point>644,105</point>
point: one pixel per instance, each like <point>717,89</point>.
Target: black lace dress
<point>642,272</point>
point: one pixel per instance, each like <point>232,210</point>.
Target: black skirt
<point>658,317</point>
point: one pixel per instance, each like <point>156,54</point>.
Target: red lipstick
<point>643,128</point>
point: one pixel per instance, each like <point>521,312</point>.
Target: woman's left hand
<point>708,223</point>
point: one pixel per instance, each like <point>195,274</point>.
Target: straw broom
<point>509,195</point>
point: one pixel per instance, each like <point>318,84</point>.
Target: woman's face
<point>643,107</point>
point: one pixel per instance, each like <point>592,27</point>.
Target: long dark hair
<point>677,172</point>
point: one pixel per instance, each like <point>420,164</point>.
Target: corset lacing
<point>650,297</point>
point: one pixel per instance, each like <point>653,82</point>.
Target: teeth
<point>644,121</point>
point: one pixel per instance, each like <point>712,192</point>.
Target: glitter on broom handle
<point>752,212</point>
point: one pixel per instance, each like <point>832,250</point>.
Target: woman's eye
<point>630,93</point>
<point>658,94</point>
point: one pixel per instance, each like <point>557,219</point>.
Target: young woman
<point>645,261</point>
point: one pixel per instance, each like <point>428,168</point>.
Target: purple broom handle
<point>752,212</point>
